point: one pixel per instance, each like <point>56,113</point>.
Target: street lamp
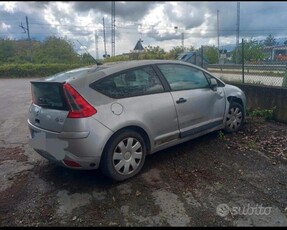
<point>182,38</point>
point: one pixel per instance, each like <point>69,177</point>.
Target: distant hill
<point>230,47</point>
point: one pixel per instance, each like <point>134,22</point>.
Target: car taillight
<point>79,107</point>
<point>72,164</point>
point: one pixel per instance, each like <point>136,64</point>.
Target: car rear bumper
<point>79,150</point>
<point>83,162</point>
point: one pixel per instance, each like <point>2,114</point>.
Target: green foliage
<point>117,58</point>
<point>267,114</point>
<point>6,49</point>
<point>55,50</point>
<point>51,50</point>
<point>87,59</point>
<point>220,134</point>
<point>176,51</point>
<point>253,51</point>
<point>34,70</point>
<point>152,52</point>
<point>211,54</point>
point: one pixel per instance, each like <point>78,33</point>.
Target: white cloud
<point>4,26</point>
<point>154,22</point>
<point>8,6</point>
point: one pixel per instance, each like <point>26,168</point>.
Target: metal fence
<point>270,72</point>
<point>261,74</point>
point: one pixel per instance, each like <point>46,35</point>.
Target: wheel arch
<point>135,128</point>
<point>235,99</point>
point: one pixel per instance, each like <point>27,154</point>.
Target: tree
<point>152,52</point>
<point>56,50</point>
<point>86,58</point>
<point>7,50</point>
<point>253,51</point>
<point>211,54</point>
<point>176,51</point>
<point>270,40</point>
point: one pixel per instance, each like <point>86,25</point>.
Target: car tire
<point>124,155</point>
<point>234,118</point>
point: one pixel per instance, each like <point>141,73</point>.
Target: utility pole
<point>30,42</point>
<point>182,37</point>
<point>105,47</point>
<point>218,34</point>
<point>113,35</point>
<point>182,40</point>
<point>29,39</point>
<point>96,44</point>
<point>237,32</point>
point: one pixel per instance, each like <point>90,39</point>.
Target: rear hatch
<point>50,108</point>
<point>56,102</point>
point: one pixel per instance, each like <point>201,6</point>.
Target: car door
<point>144,102</point>
<point>198,106</point>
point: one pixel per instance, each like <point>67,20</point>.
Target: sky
<point>157,23</point>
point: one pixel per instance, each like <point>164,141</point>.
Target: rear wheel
<point>124,155</point>
<point>234,118</point>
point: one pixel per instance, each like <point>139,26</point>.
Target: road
<point>255,79</point>
<point>208,181</point>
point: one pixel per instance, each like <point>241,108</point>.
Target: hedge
<point>34,70</point>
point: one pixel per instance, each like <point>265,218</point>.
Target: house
<point>139,48</point>
<point>276,53</point>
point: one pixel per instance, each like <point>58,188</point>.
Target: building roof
<point>139,45</point>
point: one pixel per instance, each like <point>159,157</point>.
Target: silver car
<point>111,116</point>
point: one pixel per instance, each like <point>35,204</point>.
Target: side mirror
<point>213,84</point>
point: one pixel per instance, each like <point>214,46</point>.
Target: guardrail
<point>247,67</point>
<point>264,74</point>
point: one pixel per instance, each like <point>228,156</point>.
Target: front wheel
<point>124,155</point>
<point>234,118</point>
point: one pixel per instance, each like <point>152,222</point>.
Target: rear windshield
<point>49,95</point>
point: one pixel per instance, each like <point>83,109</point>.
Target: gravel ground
<point>216,180</point>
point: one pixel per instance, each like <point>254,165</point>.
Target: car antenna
<point>98,63</point>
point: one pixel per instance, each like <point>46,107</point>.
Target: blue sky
<point>154,22</point>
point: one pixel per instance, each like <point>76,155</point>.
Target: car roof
<point>99,71</point>
<point>120,66</point>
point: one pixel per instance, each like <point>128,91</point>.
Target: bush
<point>267,114</point>
<point>34,70</point>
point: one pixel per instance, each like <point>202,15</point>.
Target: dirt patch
<point>16,153</point>
<point>268,137</point>
<point>179,186</point>
<point>11,197</point>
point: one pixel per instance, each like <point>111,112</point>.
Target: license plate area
<point>37,139</point>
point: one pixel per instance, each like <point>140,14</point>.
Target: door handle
<point>181,100</point>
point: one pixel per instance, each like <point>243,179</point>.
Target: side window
<point>134,82</point>
<point>183,77</point>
